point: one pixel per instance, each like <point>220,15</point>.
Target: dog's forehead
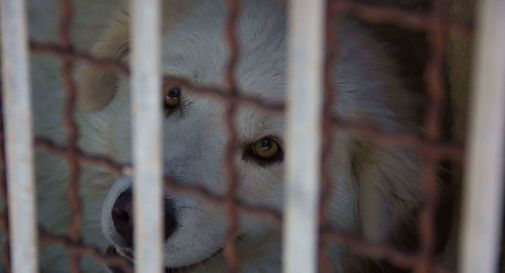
<point>197,48</point>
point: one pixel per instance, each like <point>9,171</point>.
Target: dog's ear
<point>374,212</point>
<point>374,209</point>
<point>390,189</point>
<point>97,86</point>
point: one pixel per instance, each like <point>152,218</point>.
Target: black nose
<point>122,217</point>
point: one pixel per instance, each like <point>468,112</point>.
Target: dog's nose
<point>122,217</point>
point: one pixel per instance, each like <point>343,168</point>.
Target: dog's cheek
<point>263,186</point>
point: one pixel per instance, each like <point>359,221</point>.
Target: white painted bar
<point>19,137</point>
<point>304,135</point>
<point>146,88</point>
<point>485,160</point>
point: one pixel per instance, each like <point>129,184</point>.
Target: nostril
<point>122,216</point>
<point>170,223</point>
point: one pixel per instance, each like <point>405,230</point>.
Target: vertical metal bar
<point>485,161</point>
<point>146,93</point>
<point>306,23</point>
<point>19,137</point>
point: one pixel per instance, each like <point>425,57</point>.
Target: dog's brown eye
<point>266,148</point>
<point>171,98</point>
<point>264,151</point>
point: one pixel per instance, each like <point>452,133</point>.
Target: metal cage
<point>306,128</point>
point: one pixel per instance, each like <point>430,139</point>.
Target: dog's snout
<point>122,217</point>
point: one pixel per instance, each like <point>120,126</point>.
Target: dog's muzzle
<point>123,218</point>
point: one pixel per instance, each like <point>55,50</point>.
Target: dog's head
<point>195,132</point>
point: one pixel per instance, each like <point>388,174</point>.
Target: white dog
<point>375,188</point>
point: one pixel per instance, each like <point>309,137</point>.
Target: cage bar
<point>306,22</point>
<point>484,172</point>
<point>146,129</point>
<point>19,137</point>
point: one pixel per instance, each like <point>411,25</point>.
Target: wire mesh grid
<point>431,146</point>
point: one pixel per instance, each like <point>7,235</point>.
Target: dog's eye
<point>264,151</point>
<point>171,98</point>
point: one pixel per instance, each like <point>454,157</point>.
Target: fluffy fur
<point>375,189</point>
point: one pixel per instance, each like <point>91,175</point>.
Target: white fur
<point>375,188</point>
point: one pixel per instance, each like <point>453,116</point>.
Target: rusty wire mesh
<point>431,146</point>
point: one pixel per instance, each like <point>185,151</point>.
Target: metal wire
<point>435,89</point>
<point>330,96</point>
<point>4,215</point>
<point>430,145</point>
<point>74,226</point>
<point>230,249</point>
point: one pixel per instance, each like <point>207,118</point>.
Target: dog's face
<point>195,132</point>
<point>195,138</point>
